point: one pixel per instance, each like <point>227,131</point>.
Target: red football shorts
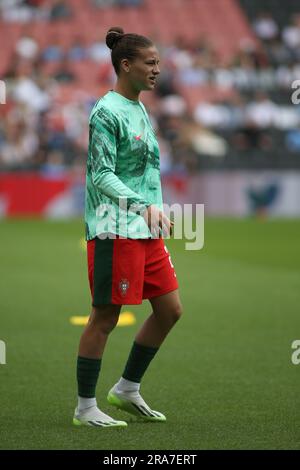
<point>124,271</point>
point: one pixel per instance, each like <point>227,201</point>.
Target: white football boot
<point>133,403</point>
<point>94,417</point>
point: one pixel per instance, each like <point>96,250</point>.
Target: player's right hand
<point>159,224</point>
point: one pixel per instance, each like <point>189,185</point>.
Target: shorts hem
<point>163,292</point>
<point>114,303</point>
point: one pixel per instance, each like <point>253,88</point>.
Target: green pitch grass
<point>224,377</point>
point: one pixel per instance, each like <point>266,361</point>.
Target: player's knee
<point>107,327</point>
<point>176,313</point>
<point>105,322</point>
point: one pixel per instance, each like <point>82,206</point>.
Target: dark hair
<point>124,46</point>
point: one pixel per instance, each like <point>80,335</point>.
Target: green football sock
<point>138,361</point>
<point>87,376</point>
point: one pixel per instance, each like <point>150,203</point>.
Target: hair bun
<point>113,36</point>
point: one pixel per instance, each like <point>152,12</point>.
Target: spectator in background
<point>27,47</point>
<point>291,36</point>
<point>292,140</point>
<point>249,54</point>
<point>20,143</point>
<point>166,82</point>
<point>278,54</point>
<point>165,155</point>
<point>53,51</point>
<point>16,11</point>
<point>173,105</point>
<point>212,115</point>
<point>54,166</point>
<point>247,121</point>
<point>75,127</point>
<point>60,10</point>
<point>77,49</point>
<point>205,53</point>
<point>98,51</point>
<point>179,55</point>
<point>27,91</point>
<point>260,116</point>
<point>265,27</point>
<point>261,112</point>
<point>23,11</point>
<point>200,140</point>
<point>64,72</point>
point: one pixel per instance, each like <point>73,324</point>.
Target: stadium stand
<point>223,99</point>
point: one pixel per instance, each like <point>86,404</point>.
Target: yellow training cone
<point>82,243</point>
<point>125,319</point>
<point>79,320</point>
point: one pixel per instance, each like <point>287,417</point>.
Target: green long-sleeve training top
<point>123,172</point>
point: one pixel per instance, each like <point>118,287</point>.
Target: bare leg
<point>101,322</point>
<point>125,394</point>
<point>92,343</point>
<point>167,310</point>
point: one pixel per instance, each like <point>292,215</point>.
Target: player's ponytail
<point>113,36</point>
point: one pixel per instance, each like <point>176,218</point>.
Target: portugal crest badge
<point>123,286</point>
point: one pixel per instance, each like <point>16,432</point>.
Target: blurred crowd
<point>50,10</point>
<point>204,108</point>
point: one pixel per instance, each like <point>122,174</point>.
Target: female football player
<point>125,226</point>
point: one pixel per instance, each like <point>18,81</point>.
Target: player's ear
<point>125,65</point>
